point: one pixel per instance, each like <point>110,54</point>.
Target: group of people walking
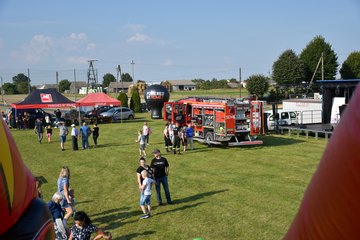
<point>84,132</point>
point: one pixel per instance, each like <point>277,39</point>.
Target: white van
<point>284,118</point>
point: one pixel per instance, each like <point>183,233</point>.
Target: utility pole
<point>118,70</point>
<point>28,81</point>
<point>322,66</point>
<point>1,90</point>
<point>240,81</point>
<point>74,84</point>
<point>57,81</point>
<point>132,65</point>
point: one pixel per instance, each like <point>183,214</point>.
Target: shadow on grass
<point>82,202</point>
<point>181,208</point>
<point>114,218</point>
<point>198,196</point>
<point>279,141</point>
<point>134,235</point>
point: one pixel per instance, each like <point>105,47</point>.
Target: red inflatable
<point>22,214</point>
<point>331,205</point>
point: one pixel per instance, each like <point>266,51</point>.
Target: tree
<point>135,101</point>
<point>64,85</point>
<point>123,98</point>
<point>21,83</point>
<point>311,55</point>
<point>107,79</point>
<point>257,84</point>
<point>288,69</point>
<point>9,88</point>
<point>125,77</point>
<point>350,69</point>
<point>22,88</point>
<point>20,78</point>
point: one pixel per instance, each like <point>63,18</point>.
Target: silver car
<point>118,113</point>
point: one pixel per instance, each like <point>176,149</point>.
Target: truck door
<point>175,112</point>
<point>256,111</point>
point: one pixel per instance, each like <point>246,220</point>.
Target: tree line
<point>291,72</point>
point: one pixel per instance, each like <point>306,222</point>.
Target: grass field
<point>218,193</point>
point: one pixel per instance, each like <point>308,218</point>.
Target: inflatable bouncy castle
<point>22,214</point>
<point>330,208</point>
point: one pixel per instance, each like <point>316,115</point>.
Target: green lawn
<point>219,193</point>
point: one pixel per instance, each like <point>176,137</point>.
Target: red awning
<point>98,99</point>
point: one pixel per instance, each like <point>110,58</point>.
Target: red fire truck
<point>219,121</point>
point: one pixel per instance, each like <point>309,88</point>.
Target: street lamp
<point>132,65</point>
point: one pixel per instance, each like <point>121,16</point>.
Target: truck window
<point>284,115</point>
<point>292,115</point>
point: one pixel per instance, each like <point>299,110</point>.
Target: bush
<point>124,99</point>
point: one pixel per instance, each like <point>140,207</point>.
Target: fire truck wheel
<point>209,138</point>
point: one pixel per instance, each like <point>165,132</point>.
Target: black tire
<point>209,138</point>
<point>131,117</point>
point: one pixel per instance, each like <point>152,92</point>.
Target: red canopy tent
<point>98,99</point>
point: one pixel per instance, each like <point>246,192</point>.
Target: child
<point>146,189</point>
<point>49,133</point>
<point>72,199</point>
<point>142,141</point>
<point>184,139</point>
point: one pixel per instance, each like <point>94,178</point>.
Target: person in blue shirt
<point>189,135</point>
<point>85,132</point>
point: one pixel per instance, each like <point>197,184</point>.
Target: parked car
<point>99,110</point>
<point>118,113</point>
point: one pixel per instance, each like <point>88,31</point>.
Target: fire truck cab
<point>218,121</point>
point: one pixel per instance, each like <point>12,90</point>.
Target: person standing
<point>160,167</point>
<point>167,140</point>
<point>85,133</point>
<point>74,137</point>
<point>183,138</point>
<point>63,184</point>
<point>142,142</point>
<point>39,129</point>
<point>49,133</point>
<point>177,139</point>
<point>63,131</point>
<point>145,132</point>
<point>145,203</point>
<point>95,133</point>
<point>139,177</point>
<point>190,135</point>
<point>58,116</point>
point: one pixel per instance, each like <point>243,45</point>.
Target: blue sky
<point>167,40</point>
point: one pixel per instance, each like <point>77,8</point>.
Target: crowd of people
<point>174,135</point>
<point>62,204</point>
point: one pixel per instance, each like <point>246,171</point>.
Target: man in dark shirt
<point>160,168</point>
<point>39,129</point>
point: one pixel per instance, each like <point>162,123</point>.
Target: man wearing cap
<point>74,137</point>
<point>160,168</point>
